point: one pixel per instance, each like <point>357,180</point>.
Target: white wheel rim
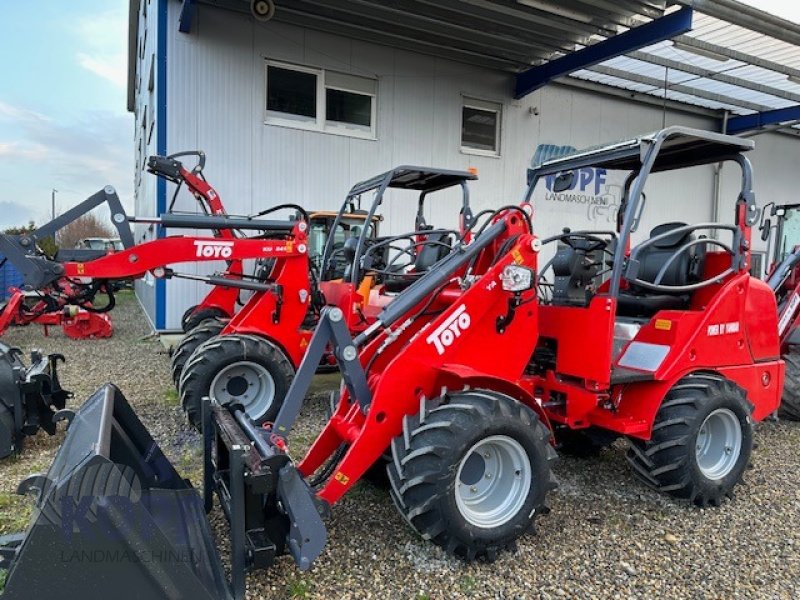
<point>493,481</point>
<point>719,443</point>
<point>247,383</point>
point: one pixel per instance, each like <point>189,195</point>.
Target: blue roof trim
<point>762,119</point>
<point>657,30</point>
<point>187,15</point>
<point>161,147</point>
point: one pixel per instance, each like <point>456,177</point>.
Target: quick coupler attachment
<point>113,519</point>
<point>31,397</point>
<point>269,506</point>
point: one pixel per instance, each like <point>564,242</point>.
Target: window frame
<point>320,123</point>
<point>478,103</point>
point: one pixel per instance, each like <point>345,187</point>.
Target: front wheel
<point>790,400</point>
<point>190,342</point>
<point>701,442</point>
<point>472,472</point>
<point>236,369</point>
<point>194,316</point>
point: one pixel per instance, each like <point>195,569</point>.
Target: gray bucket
<point>113,519</point>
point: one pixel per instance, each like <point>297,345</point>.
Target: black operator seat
<point>687,268</point>
<point>437,245</point>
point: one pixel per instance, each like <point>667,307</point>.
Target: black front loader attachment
<point>31,397</point>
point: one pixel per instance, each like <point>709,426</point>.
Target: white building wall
<point>145,137</point>
<point>216,102</point>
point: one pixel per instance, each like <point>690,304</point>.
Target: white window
<point>480,126</point>
<point>321,100</point>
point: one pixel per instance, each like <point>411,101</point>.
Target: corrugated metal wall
<point>216,102</point>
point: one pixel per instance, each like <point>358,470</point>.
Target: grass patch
<point>298,588</point>
<point>171,397</point>
<point>15,512</point>
<point>467,584</point>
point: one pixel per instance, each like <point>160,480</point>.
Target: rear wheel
<point>701,443</point>
<point>236,369</point>
<point>790,401</point>
<point>196,336</point>
<point>471,472</point>
<point>194,316</point>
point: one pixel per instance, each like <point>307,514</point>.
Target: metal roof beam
<point>404,14</point>
<point>349,13</point>
<point>569,26</point>
<point>658,84</point>
<point>187,15</point>
<point>761,119</point>
<point>732,54</point>
<point>645,35</point>
<point>393,40</point>
<point>748,17</point>
<point>676,65</point>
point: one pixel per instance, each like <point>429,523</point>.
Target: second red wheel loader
<point>463,385</point>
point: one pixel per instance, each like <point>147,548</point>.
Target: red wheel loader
<point>783,237</point>
<point>463,385</point>
<point>253,358</point>
<point>76,276</point>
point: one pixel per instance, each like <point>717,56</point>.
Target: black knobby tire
<point>790,400</point>
<point>427,456</point>
<point>194,317</point>
<point>668,462</point>
<point>224,352</point>
<point>186,347</point>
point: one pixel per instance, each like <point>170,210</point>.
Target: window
<point>321,100</point>
<point>480,127</point>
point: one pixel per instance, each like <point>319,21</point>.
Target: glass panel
<point>479,129</point>
<point>348,107</point>
<point>791,232</point>
<point>292,92</point>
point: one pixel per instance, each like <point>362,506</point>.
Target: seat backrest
<point>654,257</point>
<point>437,246</point>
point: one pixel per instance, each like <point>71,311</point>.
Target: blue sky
<point>63,119</point>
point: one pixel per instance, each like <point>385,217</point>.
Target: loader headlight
<point>516,278</point>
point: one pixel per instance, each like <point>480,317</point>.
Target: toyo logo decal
<point>214,249</point>
<point>450,330</point>
<point>723,328</point>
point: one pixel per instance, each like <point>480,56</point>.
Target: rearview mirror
<point>564,181</point>
<point>765,229</point>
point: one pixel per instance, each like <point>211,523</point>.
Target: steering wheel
<point>572,238</point>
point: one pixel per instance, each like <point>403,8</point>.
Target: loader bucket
<point>113,519</point>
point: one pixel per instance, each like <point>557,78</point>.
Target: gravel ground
<point>606,536</point>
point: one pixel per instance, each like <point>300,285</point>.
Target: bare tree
<point>87,226</point>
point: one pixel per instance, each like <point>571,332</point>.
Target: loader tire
<point>186,347</point>
<point>236,369</point>
<point>193,317</point>
<point>790,401</point>
<point>701,441</point>
<point>471,471</point>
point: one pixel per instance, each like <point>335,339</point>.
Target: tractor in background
<point>251,359</point>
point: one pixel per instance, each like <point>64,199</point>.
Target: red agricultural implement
<point>783,277</point>
<point>251,359</point>
<point>463,384</point>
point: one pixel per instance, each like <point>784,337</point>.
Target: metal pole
<point>53,203</point>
